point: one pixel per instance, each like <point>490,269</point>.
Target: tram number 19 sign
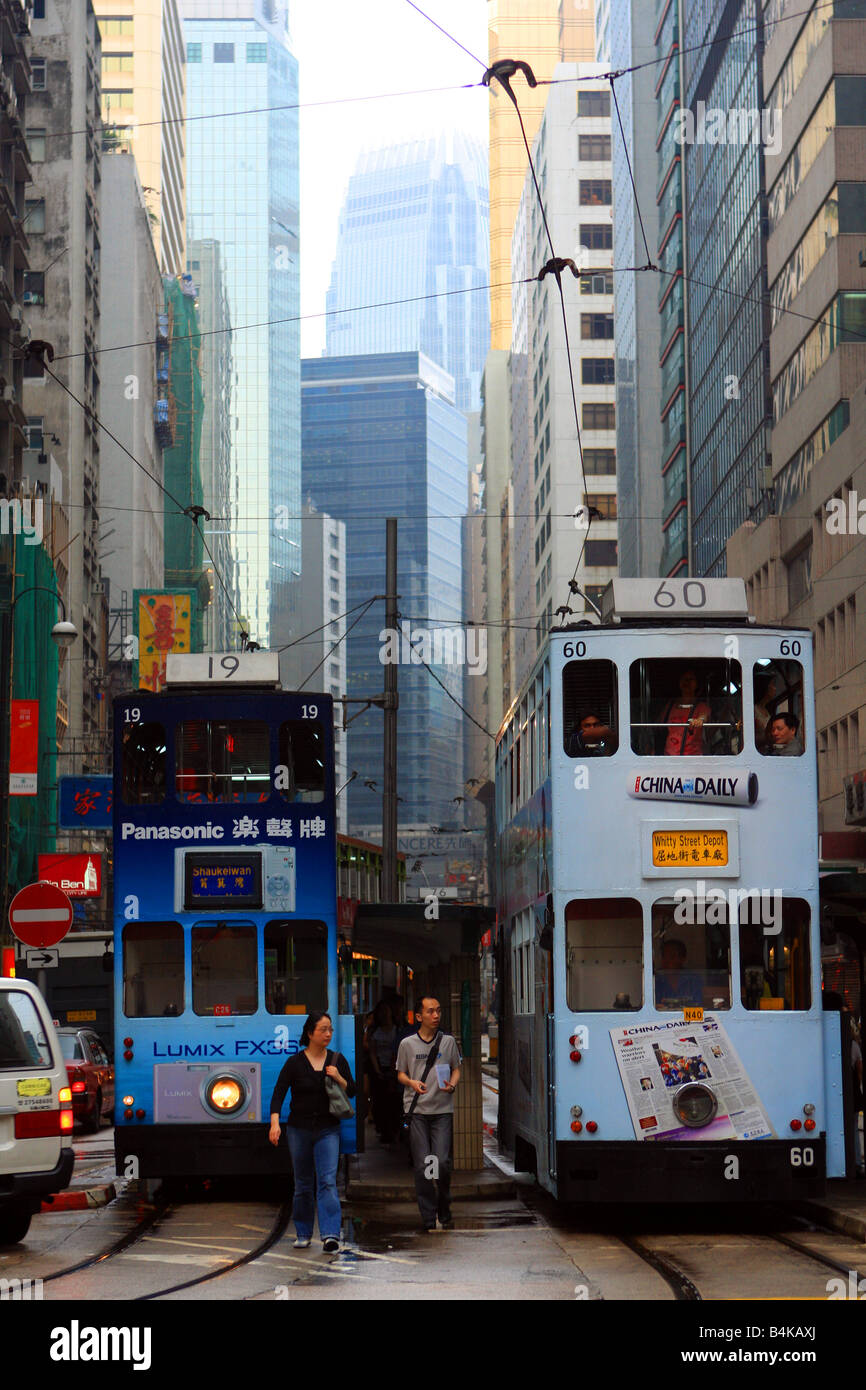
<point>40,915</point>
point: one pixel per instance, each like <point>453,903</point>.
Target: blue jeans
<point>315,1154</point>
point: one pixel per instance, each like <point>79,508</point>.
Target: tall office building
<point>624,34</point>
<point>415,223</point>
<point>382,435</point>
<point>542,33</point>
<point>242,191</point>
<point>143,109</point>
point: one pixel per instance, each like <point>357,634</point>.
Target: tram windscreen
<point>142,781</point>
<point>691,954</point>
<point>589,709</point>
<point>152,969</point>
<point>302,760</point>
<point>686,708</point>
<point>775,959</point>
<point>778,694</point>
<point>222,760</point>
<point>296,966</point>
<point>604,954</point>
<point>224,975</point>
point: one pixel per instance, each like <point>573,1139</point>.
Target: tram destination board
<point>685,848</point>
<point>231,881</point>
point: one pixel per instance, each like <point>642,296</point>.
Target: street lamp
<point>63,634</point>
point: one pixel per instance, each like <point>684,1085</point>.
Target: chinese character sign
<point>85,801</point>
<point>24,748</point>
<point>163,621</point>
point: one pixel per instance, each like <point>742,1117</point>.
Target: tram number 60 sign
<point>694,595</point>
<point>803,1158</point>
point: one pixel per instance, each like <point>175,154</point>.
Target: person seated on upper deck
<point>674,983</point>
<point>785,741</point>
<point>684,718</point>
<point>592,738</point>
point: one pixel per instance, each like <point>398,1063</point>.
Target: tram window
<point>691,953</point>
<point>778,693</point>
<point>686,708</point>
<point>775,966</point>
<point>222,760</point>
<point>296,967</point>
<point>302,754</point>
<point>224,976</point>
<point>142,780</point>
<point>523,962</point>
<point>604,954</point>
<point>589,709</point>
<point>152,969</point>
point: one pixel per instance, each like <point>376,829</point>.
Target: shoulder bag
<point>338,1102</point>
<point>428,1067</point>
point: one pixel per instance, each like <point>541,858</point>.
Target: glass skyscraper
<point>382,436</point>
<point>414,223</point>
<point>242,193</point>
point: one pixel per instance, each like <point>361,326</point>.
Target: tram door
<point>842,970</point>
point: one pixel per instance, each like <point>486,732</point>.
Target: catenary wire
<point>431,20</point>
<point>461,707</point>
<point>330,652</point>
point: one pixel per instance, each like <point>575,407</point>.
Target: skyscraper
<point>242,191</point>
<point>415,223</point>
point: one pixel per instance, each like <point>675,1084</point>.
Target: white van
<point>35,1108</point>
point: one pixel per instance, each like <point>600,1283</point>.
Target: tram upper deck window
<point>589,708</point>
<point>778,692</point>
<point>296,966</point>
<point>222,760</point>
<point>683,708</point>
<point>775,960</point>
<point>143,766</point>
<point>691,953</point>
<point>604,954</point>
<point>302,759</point>
<point>152,969</point>
<point>224,977</point>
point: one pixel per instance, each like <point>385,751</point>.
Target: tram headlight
<point>695,1105</point>
<point>225,1093</point>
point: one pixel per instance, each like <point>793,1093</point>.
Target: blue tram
<point>662,1036</point>
<point>225,933</point>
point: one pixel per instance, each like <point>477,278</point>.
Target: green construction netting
<point>184,551</point>
<point>35,668</point>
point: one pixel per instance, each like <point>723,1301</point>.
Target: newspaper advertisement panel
<point>656,1059</point>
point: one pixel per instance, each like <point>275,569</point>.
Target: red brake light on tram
<point>576,1126</point>
<point>574,1055</point>
<point>140,1114</point>
<point>809,1124</point>
<point>127,1042</point>
<point>127,1114</point>
<point>127,1056</point>
<point>796,1124</point>
<point>591,1126</point>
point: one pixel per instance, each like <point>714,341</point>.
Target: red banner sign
<point>24,748</point>
<point>79,875</point>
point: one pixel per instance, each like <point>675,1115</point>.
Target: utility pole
<point>391,704</point>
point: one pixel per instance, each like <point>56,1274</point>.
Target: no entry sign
<point>40,915</point>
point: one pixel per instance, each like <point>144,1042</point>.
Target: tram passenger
<point>785,741</point>
<point>312,1131</point>
<point>673,981</point>
<point>685,717</point>
<point>592,738</point>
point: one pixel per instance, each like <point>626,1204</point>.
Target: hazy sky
<point>350,48</point>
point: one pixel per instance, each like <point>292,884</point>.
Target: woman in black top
<point>312,1131</point>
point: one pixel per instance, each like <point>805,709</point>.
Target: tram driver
<point>592,738</point>
<point>673,983</point>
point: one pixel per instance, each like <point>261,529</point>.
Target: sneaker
<point>302,1244</point>
<point>330,1245</point>
<point>447,1223</point>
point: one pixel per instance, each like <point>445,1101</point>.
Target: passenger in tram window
<point>592,738</point>
<point>785,741</point>
<point>673,982</point>
<point>685,717</point>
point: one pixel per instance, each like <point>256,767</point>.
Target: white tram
<point>661,1028</point>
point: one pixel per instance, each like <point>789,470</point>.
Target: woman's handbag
<point>338,1102</point>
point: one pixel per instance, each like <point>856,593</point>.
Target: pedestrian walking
<point>428,1067</point>
<point>313,1129</point>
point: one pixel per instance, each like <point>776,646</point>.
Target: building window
<point>112,26</point>
<point>38,9</point>
<point>596,461</point>
<point>116,98</point>
<point>37,66</point>
<point>594,147</point>
<point>595,193</point>
<point>223,52</point>
<point>34,215</point>
<point>193,53</point>
<point>599,416</point>
<point>33,431</point>
<point>597,371</point>
<point>257,52</point>
<point>596,236</point>
<point>596,325</point>
<point>117,62</point>
<point>601,553</point>
<point>596,284</point>
<point>34,287</point>
<point>36,145</point>
<point>593,103</point>
<point>604,503</point>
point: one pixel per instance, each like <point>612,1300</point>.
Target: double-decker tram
<point>661,1030</point>
<point>224,910</point>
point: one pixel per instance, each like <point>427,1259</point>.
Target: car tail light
<point>78,1087</point>
<point>67,1120</point>
<point>39,1124</point>
<point>796,1124</point>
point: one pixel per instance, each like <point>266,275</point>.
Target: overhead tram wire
<point>462,708</point>
<point>430,20</point>
<point>367,606</point>
<point>305,636</point>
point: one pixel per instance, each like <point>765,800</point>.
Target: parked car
<point>91,1075</point>
<point>36,1115</point>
